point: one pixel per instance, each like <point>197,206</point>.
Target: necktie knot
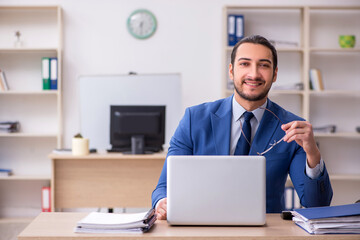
<point>248,116</point>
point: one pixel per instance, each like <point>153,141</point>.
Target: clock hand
<point>141,27</point>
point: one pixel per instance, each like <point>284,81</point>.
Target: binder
<point>316,82</point>
<point>340,219</point>
<point>329,212</point>
<point>46,73</point>
<point>289,198</point>
<point>231,30</point>
<point>53,73</point>
<point>239,27</point>
<point>292,200</point>
<point>3,83</point>
<point>235,28</point>
<point>2,86</point>
<point>45,199</point>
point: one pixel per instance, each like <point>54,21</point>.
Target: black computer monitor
<point>137,129</point>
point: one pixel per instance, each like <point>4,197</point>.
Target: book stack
<point>340,219</point>
<point>3,83</point>
<point>97,222</point>
<point>9,126</point>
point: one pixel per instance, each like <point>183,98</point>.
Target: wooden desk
<point>104,180</point>
<point>61,226</point>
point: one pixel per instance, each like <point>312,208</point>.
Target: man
<point>216,128</point>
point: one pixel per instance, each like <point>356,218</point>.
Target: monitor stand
<point>137,144</point>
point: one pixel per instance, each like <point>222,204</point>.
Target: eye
<point>245,64</point>
<point>264,65</point>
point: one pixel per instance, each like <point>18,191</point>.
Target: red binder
<point>45,199</point>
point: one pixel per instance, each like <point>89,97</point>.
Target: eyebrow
<point>249,59</point>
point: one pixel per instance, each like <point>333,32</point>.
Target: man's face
<point>252,72</point>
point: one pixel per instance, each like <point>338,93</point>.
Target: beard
<point>249,97</point>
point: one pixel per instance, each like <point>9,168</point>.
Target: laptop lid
<point>216,190</point>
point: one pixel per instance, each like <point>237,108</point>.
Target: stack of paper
<point>336,219</point>
<point>97,222</point>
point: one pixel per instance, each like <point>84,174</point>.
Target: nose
<point>254,72</point>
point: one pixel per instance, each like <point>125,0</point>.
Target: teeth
<point>253,84</point>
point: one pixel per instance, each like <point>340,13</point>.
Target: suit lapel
<point>221,127</point>
<point>267,127</point>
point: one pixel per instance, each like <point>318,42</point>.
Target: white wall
<point>188,41</point>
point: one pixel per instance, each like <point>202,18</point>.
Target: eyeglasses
<point>272,145</point>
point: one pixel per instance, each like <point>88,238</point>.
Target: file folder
<point>340,219</point>
<point>329,212</point>
<point>45,199</point>
<point>53,73</point>
<point>235,28</point>
<point>46,73</point>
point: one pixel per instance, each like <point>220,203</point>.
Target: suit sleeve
<point>180,144</point>
<point>312,192</point>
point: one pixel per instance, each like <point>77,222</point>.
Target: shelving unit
<point>38,111</point>
<point>315,31</point>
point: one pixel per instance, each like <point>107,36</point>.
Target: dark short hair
<point>256,39</point>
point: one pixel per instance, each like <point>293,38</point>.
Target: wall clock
<point>141,24</point>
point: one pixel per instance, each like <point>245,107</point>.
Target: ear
<point>231,72</point>
<point>275,75</point>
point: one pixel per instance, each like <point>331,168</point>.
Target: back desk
<point>104,180</point>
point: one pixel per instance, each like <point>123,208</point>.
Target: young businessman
<point>215,129</point>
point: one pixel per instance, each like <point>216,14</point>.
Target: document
<point>97,222</point>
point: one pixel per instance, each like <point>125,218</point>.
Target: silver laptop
<point>216,190</point>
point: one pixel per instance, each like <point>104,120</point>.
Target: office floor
<point>10,229</point>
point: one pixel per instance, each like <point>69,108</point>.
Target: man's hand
<point>302,133</point>
<point>161,209</point>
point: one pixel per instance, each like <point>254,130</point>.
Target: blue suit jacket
<point>205,130</point>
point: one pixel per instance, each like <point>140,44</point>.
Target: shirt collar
<point>238,110</point>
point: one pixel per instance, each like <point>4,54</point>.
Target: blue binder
<point>235,28</point>
<point>329,212</point>
<point>53,73</point>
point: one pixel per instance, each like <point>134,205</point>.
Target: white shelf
<point>316,31</point>
<point>38,111</point>
<point>23,177</point>
<point>40,7</point>
<point>25,50</point>
<point>337,135</point>
<point>343,177</point>
<point>297,92</point>
<point>347,93</point>
<point>31,135</point>
<point>40,92</point>
<point>335,50</point>
<point>335,177</point>
<point>278,49</point>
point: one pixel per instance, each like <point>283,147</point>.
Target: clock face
<point>141,24</point>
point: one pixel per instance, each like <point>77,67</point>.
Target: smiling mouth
<point>253,83</point>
